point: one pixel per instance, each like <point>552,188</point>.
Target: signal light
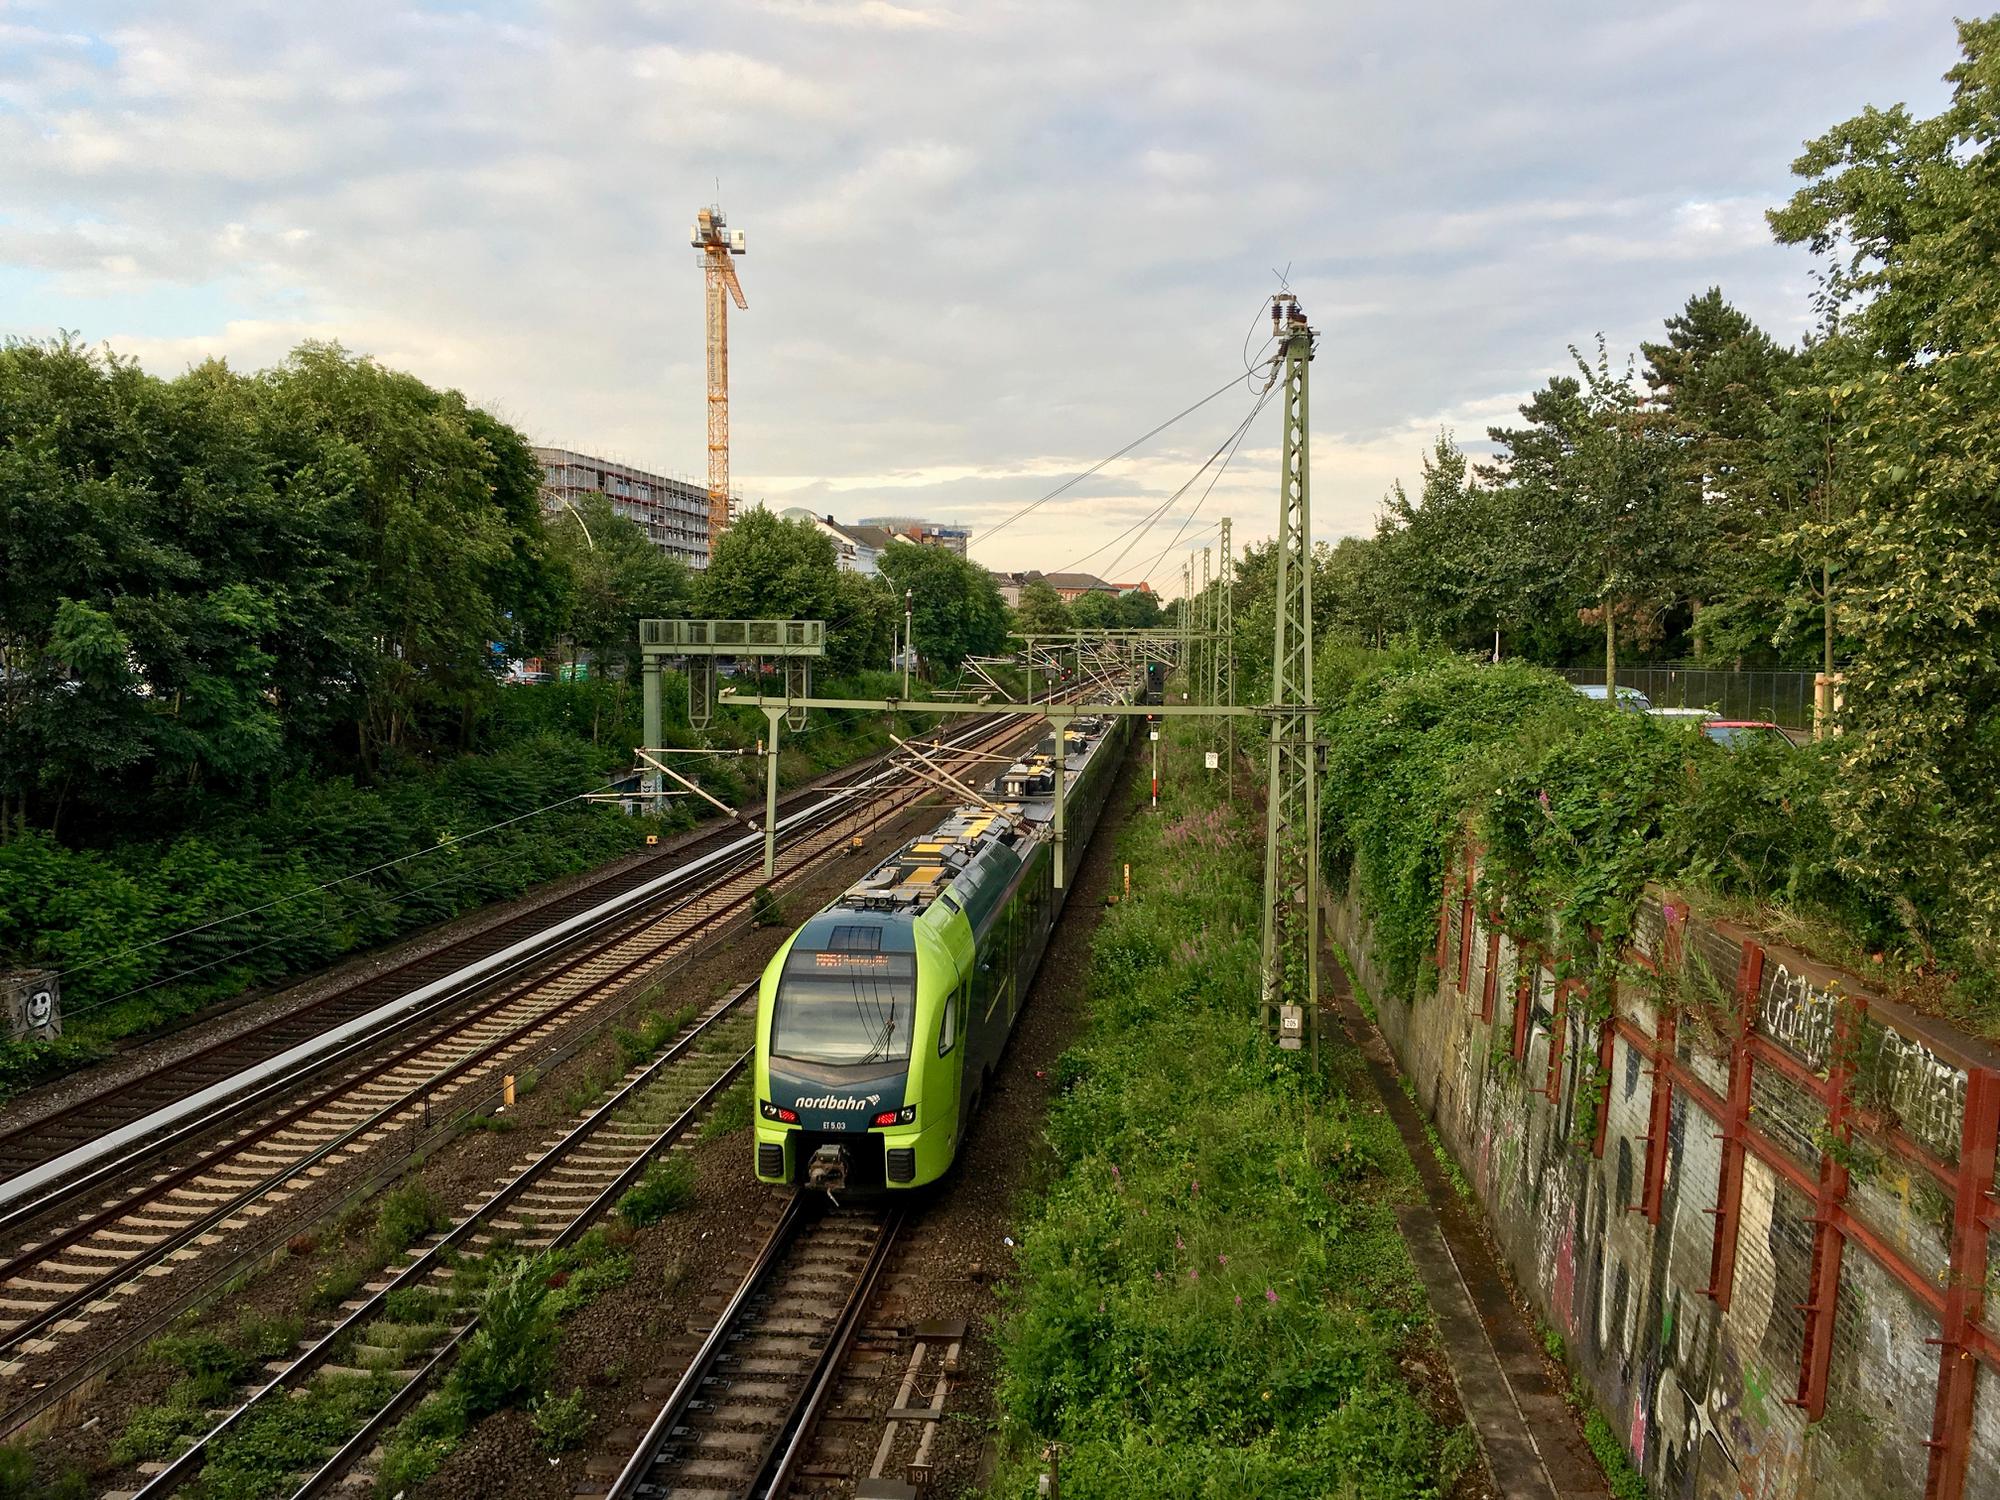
<point>905,1116</point>
<point>776,1112</point>
<point>887,1117</point>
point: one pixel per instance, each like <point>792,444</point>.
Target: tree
<point>1096,610</point>
<point>438,503</point>
<point>1904,214</point>
<point>209,581</point>
<point>1041,610</point>
<point>1139,609</point>
<point>1719,380</point>
<point>615,577</point>
<point>958,611</point>
<point>1599,504</point>
<point>767,568</point>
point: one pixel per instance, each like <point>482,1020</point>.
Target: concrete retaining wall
<point>1753,1198</point>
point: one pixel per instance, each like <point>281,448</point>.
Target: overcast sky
<point>990,242</point>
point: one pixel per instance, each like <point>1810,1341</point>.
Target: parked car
<point>1684,715</point>
<point>1629,699</point>
<point>1736,733</point>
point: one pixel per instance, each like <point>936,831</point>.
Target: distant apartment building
<point>672,512</point>
<point>857,549</point>
<point>1071,586</point>
<point>928,533</point>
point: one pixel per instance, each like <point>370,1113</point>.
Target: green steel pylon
<point>1225,660</point>
<point>1291,828</point>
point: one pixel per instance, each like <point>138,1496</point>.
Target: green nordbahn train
<point>881,1020</point>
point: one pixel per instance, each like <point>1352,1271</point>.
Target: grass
<point>1214,1299</point>
<point>654,1032</point>
<point>731,1112</point>
<point>18,1480</point>
<point>667,1187</point>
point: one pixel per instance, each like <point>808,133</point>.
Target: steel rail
<point>626,1485</point>
<point>411,1098</point>
<point>281,1087</point>
<point>183,1467</point>
<point>781,1465</point>
<point>327,1049</point>
<point>439,959</point>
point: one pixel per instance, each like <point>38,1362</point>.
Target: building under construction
<point>672,512</point>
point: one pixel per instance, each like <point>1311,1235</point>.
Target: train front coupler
<point>827,1171</point>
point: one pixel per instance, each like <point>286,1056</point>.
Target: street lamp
<point>909,606</point>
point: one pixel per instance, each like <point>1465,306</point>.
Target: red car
<point>1736,733</point>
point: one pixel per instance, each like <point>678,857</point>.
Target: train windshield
<point>845,1008</point>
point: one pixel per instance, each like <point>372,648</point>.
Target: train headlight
<point>907,1115</point>
<point>772,1111</point>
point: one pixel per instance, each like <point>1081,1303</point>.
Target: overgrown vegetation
<point>252,635</point>
<point>517,1302</point>
<point>1577,808</point>
<point>667,1187</point>
<point>1723,500</point>
<point>1214,1300</point>
<point>18,1480</point>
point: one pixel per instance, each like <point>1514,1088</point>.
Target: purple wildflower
<point>1270,1295</point>
<point>1179,1243</point>
<point>1222,1260</point>
<point>1194,1273</point>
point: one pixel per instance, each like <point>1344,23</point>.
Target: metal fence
<point>1781,695</point>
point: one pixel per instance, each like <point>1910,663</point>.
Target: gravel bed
<point>623,1339</point>
<point>469,1166</point>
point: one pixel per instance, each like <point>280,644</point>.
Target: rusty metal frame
<point>1735,1121</point>
<point>1527,963</point>
<point>1558,1037</point>
<point>1823,1288</point>
<point>1488,990</point>
<point>1965,1341</point>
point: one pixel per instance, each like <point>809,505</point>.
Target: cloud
<point>989,244</point>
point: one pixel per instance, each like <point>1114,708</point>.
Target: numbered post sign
<point>33,1000</point>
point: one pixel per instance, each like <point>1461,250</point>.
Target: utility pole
<point>1291,828</point>
<point>909,644</point>
<point>1208,639</point>
<point>1225,658</point>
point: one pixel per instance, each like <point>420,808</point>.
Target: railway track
<point>86,1275</point>
<point>34,1144</point>
<point>43,1138</point>
<point>548,1204</point>
<point>737,1424</point>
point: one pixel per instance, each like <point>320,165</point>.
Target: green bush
<point>340,1283</point>
<point>160,1429</point>
<point>421,1443</point>
<point>415,1304</point>
<point>262,1338</point>
<point>261,1455</point>
<point>1577,808</point>
<point>652,1034</point>
<point>410,1213</point>
<point>204,1356</point>
<point>514,1347</point>
<point>667,1187</point>
<point>560,1422</point>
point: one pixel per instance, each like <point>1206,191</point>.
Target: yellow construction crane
<point>717,243</point>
